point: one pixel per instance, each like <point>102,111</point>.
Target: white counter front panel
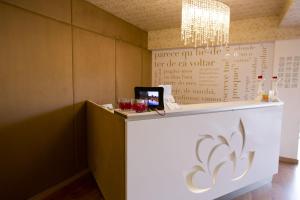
<point>202,156</point>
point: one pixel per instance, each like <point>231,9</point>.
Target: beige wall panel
<point>36,112</point>
<point>57,9</point>
<point>147,68</point>
<point>128,69</point>
<point>90,17</point>
<point>94,67</point>
<point>94,78</point>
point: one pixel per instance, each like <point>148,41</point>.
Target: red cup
<point>124,104</point>
<point>140,105</point>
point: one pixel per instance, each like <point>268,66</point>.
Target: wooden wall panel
<point>36,113</point>
<point>90,17</point>
<point>94,67</point>
<point>128,69</point>
<point>94,78</point>
<point>57,9</point>
<point>44,78</point>
<point>106,147</point>
<point>147,68</point>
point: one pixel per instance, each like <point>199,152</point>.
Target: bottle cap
<point>260,77</point>
<point>274,77</point>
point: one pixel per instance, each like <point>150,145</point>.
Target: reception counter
<point>201,151</point>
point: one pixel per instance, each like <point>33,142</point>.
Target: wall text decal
<point>213,74</point>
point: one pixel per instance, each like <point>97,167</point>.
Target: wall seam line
<point>142,70</point>
<point>116,100</point>
<point>75,137</point>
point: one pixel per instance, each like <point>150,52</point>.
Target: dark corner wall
<point>54,55</point>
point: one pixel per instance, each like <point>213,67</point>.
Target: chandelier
<point>205,23</point>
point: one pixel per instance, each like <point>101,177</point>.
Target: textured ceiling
<point>161,14</point>
<point>292,17</point>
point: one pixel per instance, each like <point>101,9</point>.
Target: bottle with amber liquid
<point>261,93</point>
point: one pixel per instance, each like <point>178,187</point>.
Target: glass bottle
<point>260,91</point>
<point>274,89</point>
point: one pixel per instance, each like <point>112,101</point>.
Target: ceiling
<point>162,14</point>
<point>292,17</point>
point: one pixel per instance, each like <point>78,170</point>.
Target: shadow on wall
<point>36,153</point>
<point>80,135</point>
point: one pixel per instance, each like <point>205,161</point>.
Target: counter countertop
<point>193,109</point>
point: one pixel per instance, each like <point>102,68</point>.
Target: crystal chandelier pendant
<point>205,23</point>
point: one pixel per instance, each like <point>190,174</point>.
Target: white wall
<point>289,93</point>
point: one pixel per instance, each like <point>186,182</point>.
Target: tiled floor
<point>285,186</point>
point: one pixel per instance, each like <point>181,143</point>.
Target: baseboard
<point>288,160</point>
<point>58,186</point>
<point>245,190</point>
